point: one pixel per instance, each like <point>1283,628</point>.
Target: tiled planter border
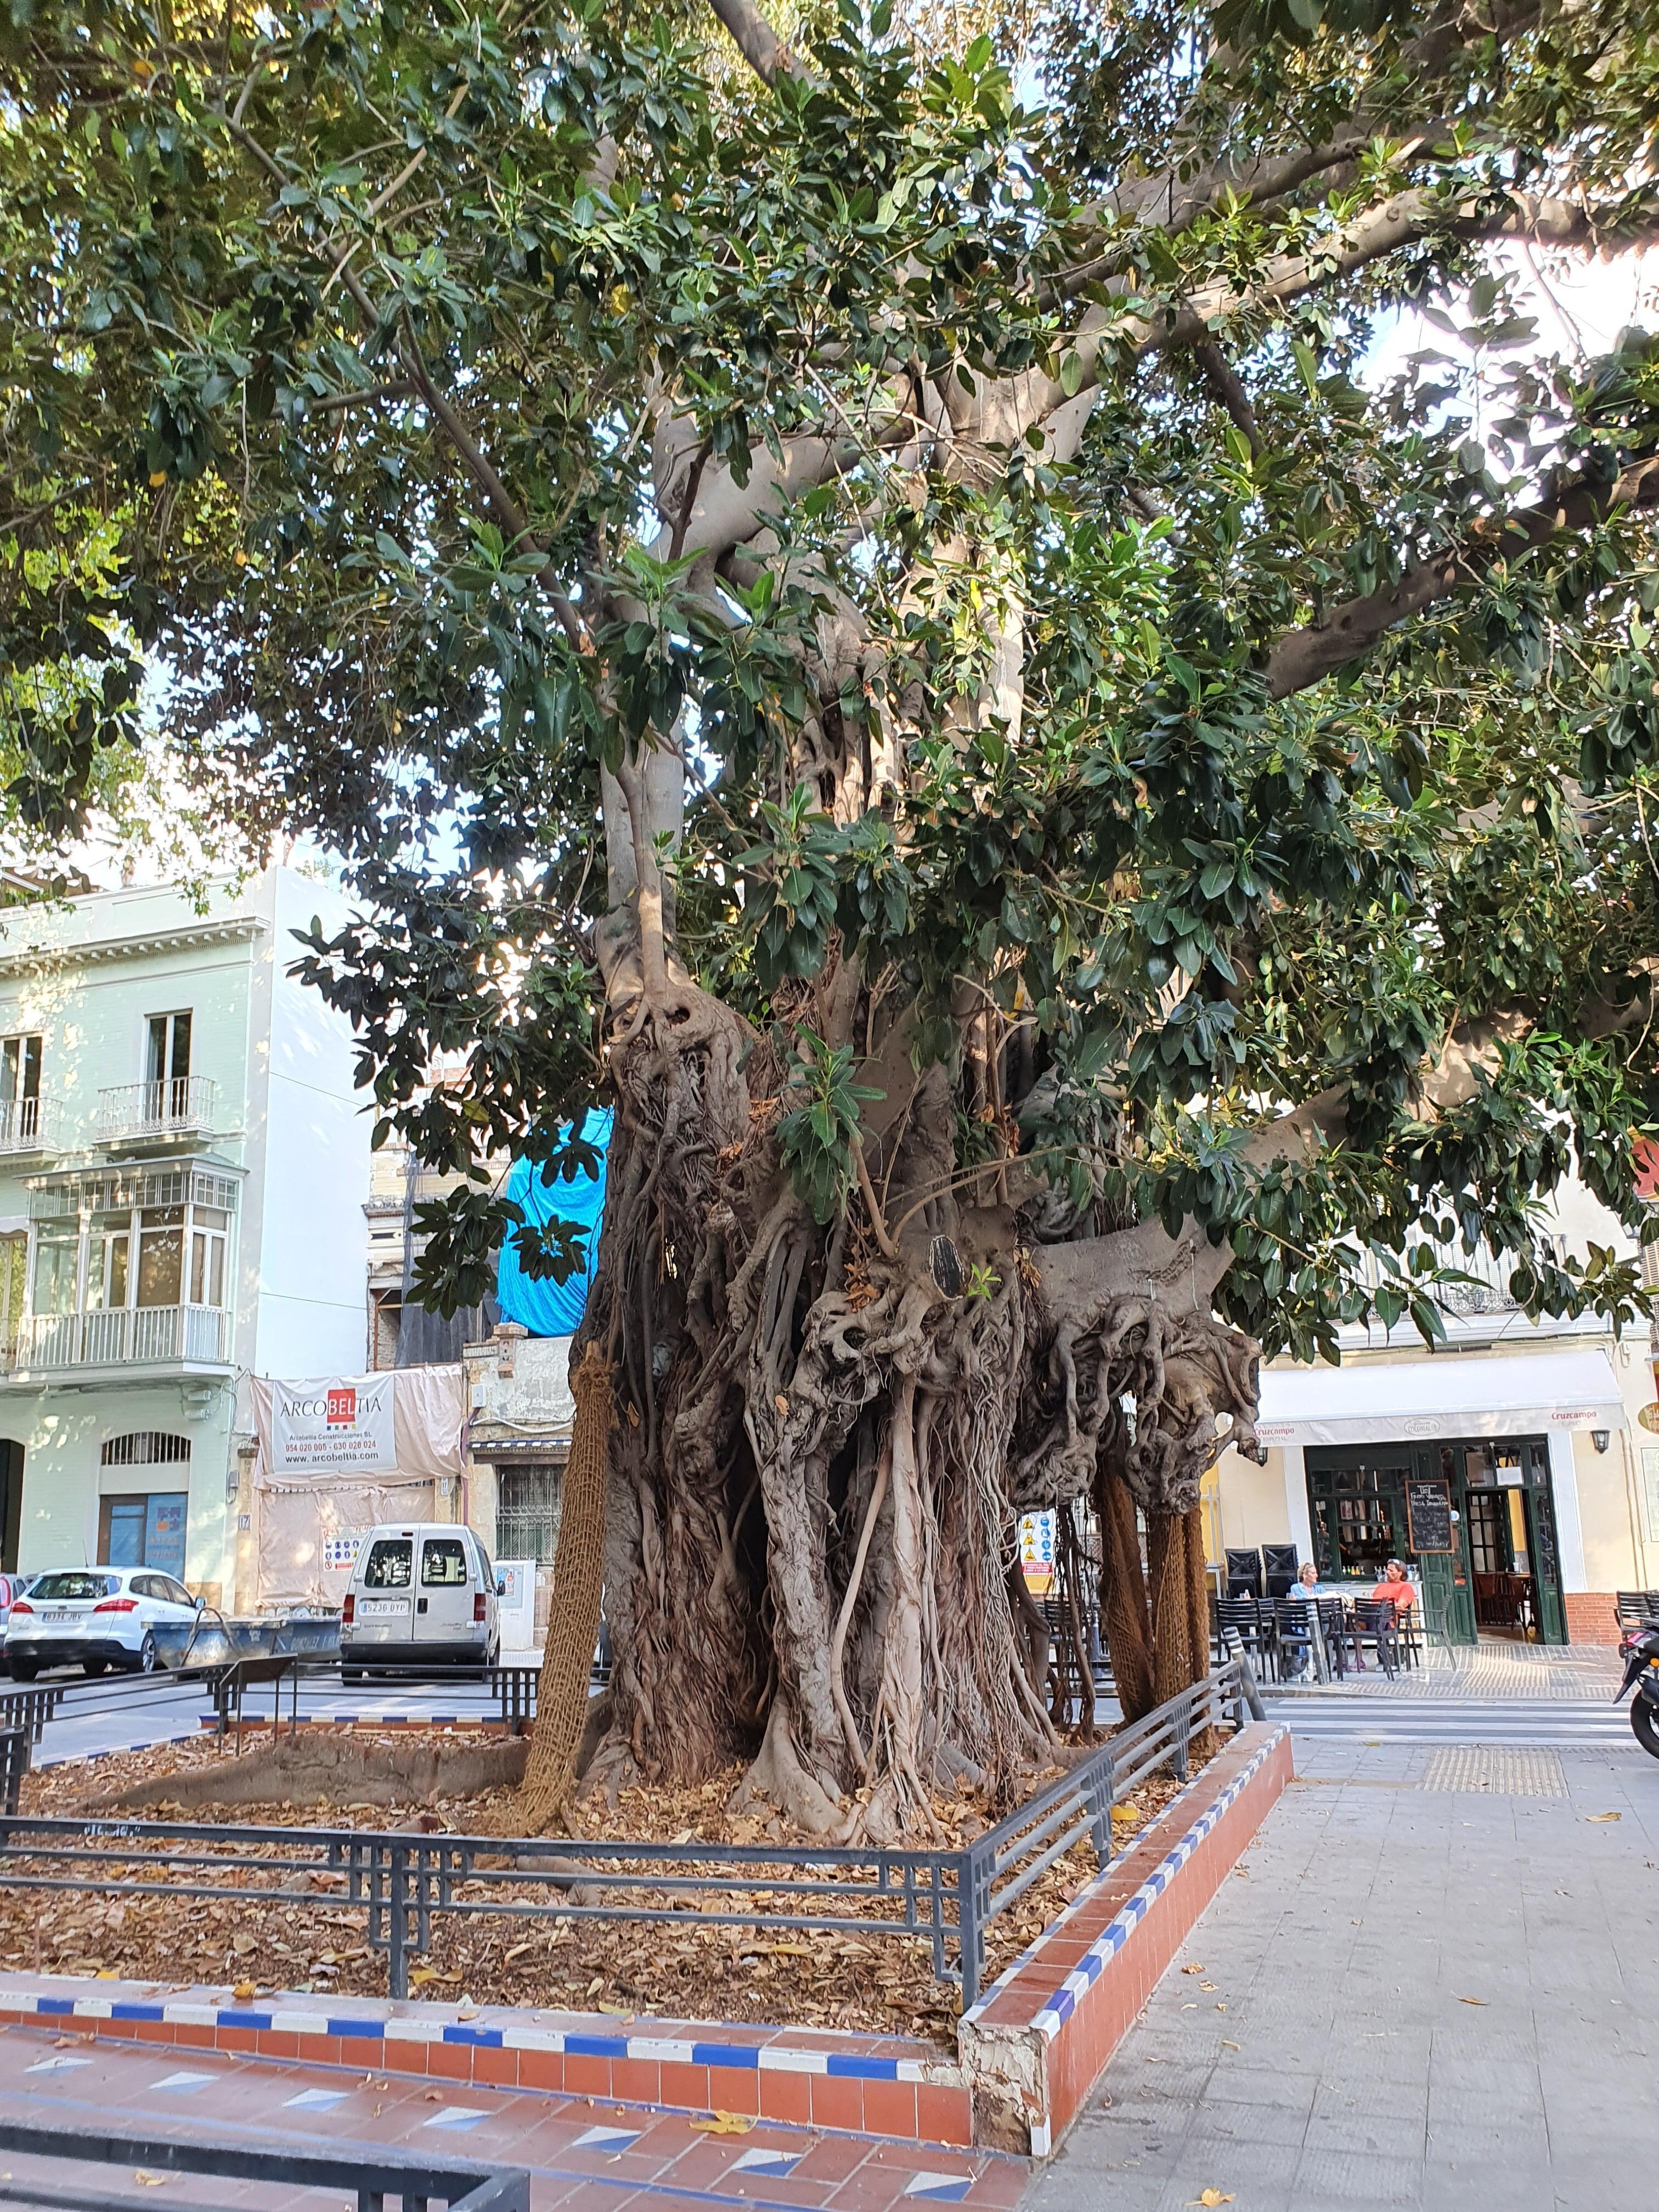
<point>1029,2051</point>
<point>1039,2039</point>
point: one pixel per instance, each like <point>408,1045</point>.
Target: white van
<point>422,1595</point>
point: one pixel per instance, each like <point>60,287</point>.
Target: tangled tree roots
<point>824,1437</point>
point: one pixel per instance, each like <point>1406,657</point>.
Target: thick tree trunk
<point>573,1620</point>
<point>1125,1617</point>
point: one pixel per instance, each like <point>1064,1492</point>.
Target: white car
<point>420,1595</point>
<point>100,1617</point>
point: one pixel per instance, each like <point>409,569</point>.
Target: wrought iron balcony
<point>29,1124</point>
<point>178,1106</point>
<point>196,1336</point>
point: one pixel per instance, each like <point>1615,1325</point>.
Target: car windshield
<point>73,1586</point>
<point>391,1564</point>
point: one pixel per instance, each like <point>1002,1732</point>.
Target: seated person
<point>1396,1589</point>
<point>1306,1585</point>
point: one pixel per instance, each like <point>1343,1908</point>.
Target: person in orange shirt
<point>1395,1587</point>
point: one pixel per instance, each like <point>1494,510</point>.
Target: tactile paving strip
<point>1495,1770</point>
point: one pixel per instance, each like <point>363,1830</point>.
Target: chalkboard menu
<point>1428,1516</point>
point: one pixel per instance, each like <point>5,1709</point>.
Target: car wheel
<point>24,1670</point>
<point>146,1660</point>
<point>351,1676</point>
<point>94,1666</point>
<point>1644,1724</point>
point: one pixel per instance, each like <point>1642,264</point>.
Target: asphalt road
<point>124,1712</point>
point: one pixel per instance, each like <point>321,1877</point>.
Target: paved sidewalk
<point>583,2155</point>
<point>1498,1671</point>
<point>1413,1995</point>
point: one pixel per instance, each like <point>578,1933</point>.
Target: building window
<point>386,1321</point>
<point>166,1060</point>
<point>528,1511</point>
<point>160,1254</point>
<point>19,1088</point>
<point>146,1530</point>
<point>57,1262</point>
<point>145,1448</point>
<point>13,1280</point>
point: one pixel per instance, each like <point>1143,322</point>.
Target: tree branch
<point>1302,657</point>
<point>755,39</point>
<point>1226,387</point>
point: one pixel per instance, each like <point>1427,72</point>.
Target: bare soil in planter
<point>857,1980</point>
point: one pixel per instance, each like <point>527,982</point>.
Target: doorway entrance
<point>1475,1516</point>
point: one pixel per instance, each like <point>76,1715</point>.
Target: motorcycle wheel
<point>1644,1725</point>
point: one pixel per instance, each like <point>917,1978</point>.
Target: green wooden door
<point>1447,1597</point>
<point>1546,1554</point>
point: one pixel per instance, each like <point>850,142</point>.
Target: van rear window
<point>391,1564</point>
<point>443,1564</point>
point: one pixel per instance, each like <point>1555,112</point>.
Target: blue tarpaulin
<point>547,1308</point>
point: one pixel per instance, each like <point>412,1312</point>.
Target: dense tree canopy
<point>861,592</point>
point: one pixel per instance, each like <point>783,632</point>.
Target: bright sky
<point>1579,302</point>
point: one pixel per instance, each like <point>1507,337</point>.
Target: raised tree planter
<point>1028,2053</point>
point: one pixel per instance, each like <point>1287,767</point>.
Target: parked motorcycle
<point>1640,1647</point>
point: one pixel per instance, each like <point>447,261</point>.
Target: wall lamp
<point>1600,1438</point>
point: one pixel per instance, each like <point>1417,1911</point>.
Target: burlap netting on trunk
<point>307,1522</point>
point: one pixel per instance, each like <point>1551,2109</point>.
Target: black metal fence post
<point>13,1765</point>
<point>1181,1733</point>
<point>970,1930</point>
<point>1098,1793</point>
<point>397,1920</point>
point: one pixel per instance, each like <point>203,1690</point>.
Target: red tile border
<point>1037,2044</point>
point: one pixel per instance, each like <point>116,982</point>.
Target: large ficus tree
<point>869,600</point>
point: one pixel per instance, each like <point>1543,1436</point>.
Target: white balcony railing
<point>1488,1293</point>
<point>179,1106</point>
<point>140,1335</point>
<point>28,1125</point>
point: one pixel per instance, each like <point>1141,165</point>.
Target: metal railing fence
<point>110,1335</point>
<point>403,1882</point>
<point>513,1689</point>
<point>463,2185</point>
<point>172,1106</point>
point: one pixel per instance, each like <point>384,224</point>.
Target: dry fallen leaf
<point>1596,1819</point>
<point>1192,1970</point>
<point>1211,2196</point>
<point>595,1985</point>
<point>1473,2001</point>
<point>1226,2045</point>
<point>149,2180</point>
<point>243,1992</point>
<point>722,2123</point>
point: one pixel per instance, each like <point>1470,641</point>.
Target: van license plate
<point>384,1608</point>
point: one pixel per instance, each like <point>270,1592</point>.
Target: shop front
<point>1463,1467</point>
<point>1475,1516</point>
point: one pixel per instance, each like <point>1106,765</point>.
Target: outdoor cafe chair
<point>1244,1615</point>
<point>1373,1620</point>
<point>1293,1635</point>
<point>1634,1607</point>
<point>1334,1620</point>
<point>1243,1571</point>
<point>1279,1566</point>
